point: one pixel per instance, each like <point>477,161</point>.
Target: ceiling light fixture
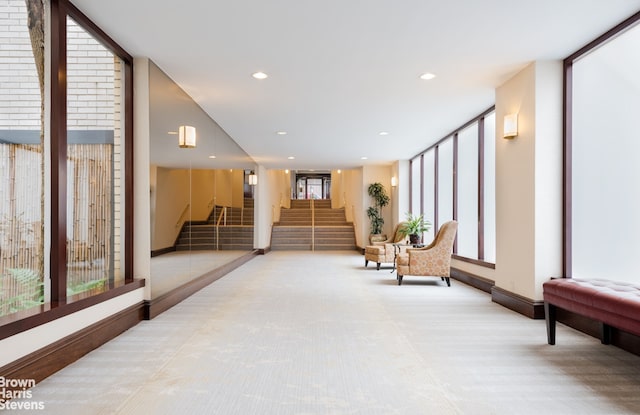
<point>212,156</point>
<point>383,133</point>
<point>364,158</point>
<point>281,132</point>
<point>291,157</point>
<point>260,75</point>
<point>427,76</point>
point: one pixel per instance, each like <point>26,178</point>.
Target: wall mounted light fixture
<point>187,136</point>
<point>510,125</point>
<point>253,178</point>
<point>394,181</point>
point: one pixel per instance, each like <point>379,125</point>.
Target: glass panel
<point>429,193</point>
<point>490,188</point>
<point>21,169</point>
<point>468,192</point>
<point>415,185</point>
<point>94,163</point>
<point>445,181</point>
<point>605,157</point>
<point>314,188</point>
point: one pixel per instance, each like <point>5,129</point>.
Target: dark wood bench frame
<point>613,304</point>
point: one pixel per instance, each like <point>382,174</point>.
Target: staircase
<point>307,227</point>
<point>227,228</point>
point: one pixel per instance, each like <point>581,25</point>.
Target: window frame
<point>60,305</point>
<point>453,135</point>
<point>567,134</point>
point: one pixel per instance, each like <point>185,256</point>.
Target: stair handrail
<point>353,218</point>
<point>184,211</point>
<point>313,226</point>
<point>223,214</point>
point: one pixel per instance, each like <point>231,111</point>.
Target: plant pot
<point>414,239</point>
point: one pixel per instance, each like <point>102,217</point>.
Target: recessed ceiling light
<point>260,75</point>
<point>212,156</point>
<point>281,132</point>
<point>364,158</point>
<point>383,133</point>
<point>426,76</point>
<point>172,132</point>
<point>291,157</point>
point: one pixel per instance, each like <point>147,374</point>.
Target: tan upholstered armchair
<point>384,251</point>
<point>433,260</point>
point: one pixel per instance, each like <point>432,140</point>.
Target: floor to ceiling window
<point>64,165</point>
<point>22,267</point>
<point>603,229</point>
<point>458,183</point>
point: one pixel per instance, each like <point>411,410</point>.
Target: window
<point>604,149</point>
<point>468,192</point>
<point>22,259</point>
<point>429,193</point>
<point>458,182</point>
<point>63,185</point>
<point>94,163</point>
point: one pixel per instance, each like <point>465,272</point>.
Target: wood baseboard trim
<point>481,283</point>
<point>156,306</point>
<point>50,359</point>
<point>163,251</point>
<point>523,305</point>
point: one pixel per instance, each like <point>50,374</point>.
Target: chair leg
<point>378,266</point>
<point>448,281</point>
<point>366,262</point>
<point>399,279</point>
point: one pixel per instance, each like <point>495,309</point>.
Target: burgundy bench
<point>614,304</point>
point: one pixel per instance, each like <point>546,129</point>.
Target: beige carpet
<point>316,333</point>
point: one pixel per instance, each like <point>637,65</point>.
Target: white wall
<point>529,181</point>
<point>266,195</point>
<point>141,174</point>
<point>21,344</point>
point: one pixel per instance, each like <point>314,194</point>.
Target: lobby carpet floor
<point>317,333</point>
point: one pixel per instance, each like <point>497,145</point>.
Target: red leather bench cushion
<point>614,303</point>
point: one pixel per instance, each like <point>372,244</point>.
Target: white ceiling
<point>342,71</point>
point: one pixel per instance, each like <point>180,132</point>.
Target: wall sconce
<point>253,179</point>
<point>187,136</point>
<point>510,125</point>
<point>394,181</point>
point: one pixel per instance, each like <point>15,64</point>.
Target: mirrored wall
<point>202,210</point>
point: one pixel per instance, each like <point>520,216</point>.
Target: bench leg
<point>550,317</point>
<point>606,334</point>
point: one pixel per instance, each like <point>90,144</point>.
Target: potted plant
<point>413,227</point>
<point>380,200</point>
